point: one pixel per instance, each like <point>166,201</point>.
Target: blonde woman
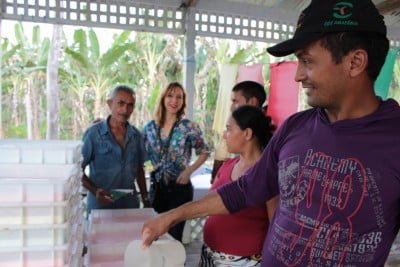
<point>169,140</point>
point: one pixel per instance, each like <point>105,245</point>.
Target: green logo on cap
<point>342,10</point>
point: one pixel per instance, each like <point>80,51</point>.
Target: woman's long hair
<point>159,114</point>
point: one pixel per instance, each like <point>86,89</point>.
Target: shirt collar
<point>105,128</point>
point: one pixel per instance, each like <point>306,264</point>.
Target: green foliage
<point>121,38</point>
<point>7,50</point>
<point>20,35</point>
<point>394,90</point>
<point>94,45</point>
<point>241,56</point>
<point>81,59</point>
<point>36,36</point>
<point>145,61</point>
<point>43,52</point>
<point>16,131</point>
<point>80,40</point>
<point>112,54</point>
<point>151,104</point>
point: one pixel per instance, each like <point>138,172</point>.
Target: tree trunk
<point>28,110</point>
<point>14,102</point>
<point>52,118</point>
<point>32,106</point>
<point>38,82</point>
<point>97,104</point>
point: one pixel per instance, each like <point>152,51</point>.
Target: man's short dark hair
<point>121,88</point>
<point>251,89</point>
<point>376,45</point>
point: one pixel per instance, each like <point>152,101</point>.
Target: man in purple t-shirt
<point>335,167</point>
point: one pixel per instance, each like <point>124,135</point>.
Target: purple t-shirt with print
<point>339,188</point>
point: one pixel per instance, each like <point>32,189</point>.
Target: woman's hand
<point>184,177</point>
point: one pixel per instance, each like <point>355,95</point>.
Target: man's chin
<point>122,119</point>
<point>312,103</point>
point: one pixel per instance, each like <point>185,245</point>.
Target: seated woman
<point>237,239</point>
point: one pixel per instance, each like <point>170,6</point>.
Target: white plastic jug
<point>162,253</point>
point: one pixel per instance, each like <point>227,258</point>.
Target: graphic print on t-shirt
<point>322,199</point>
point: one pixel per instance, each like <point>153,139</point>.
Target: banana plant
<point>148,66</point>
<point>97,68</point>
<point>28,58</point>
<point>7,51</point>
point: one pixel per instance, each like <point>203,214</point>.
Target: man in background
<point>114,151</point>
<point>243,93</point>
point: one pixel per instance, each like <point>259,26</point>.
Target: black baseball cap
<point>330,16</point>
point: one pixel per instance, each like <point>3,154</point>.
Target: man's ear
<point>253,101</point>
<point>358,62</point>
<point>109,102</point>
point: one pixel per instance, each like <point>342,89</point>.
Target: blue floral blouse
<point>186,136</point>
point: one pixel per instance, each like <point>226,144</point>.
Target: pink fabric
<point>283,92</point>
<point>241,233</point>
<point>251,73</point>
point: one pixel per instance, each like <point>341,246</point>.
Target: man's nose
<point>300,74</point>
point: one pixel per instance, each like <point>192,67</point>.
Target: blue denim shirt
<point>110,166</point>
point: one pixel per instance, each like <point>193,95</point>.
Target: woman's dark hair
<point>376,46</point>
<point>253,118</point>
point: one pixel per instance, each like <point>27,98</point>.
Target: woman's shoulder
<point>188,123</point>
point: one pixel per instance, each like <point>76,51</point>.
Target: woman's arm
<point>184,177</point>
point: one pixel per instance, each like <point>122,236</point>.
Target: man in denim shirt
<point>114,151</point>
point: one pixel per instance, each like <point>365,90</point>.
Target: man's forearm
<point>89,184</point>
<point>141,182</point>
<point>210,204</point>
<point>86,182</point>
